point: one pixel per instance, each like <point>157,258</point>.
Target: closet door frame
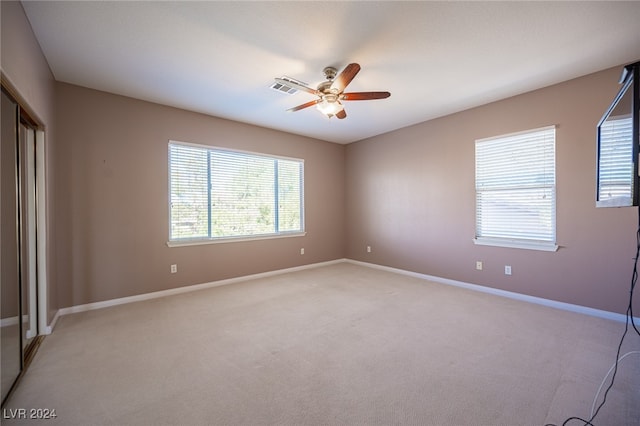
<point>33,171</point>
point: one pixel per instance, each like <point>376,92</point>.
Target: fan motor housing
<point>325,86</point>
<point>330,73</point>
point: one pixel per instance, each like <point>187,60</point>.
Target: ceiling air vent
<point>284,88</point>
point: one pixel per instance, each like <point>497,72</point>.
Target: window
<point>615,166</point>
<point>218,194</point>
<point>516,190</point>
<point>617,155</point>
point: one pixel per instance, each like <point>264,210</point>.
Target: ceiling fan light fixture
<point>330,105</point>
<point>330,93</point>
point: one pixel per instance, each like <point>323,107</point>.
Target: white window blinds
<point>516,190</point>
<point>220,194</point>
<point>615,168</point>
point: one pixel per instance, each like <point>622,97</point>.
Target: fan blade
<point>303,106</point>
<point>364,96</point>
<point>345,77</point>
<point>298,86</point>
<point>342,114</point>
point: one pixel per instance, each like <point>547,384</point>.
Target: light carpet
<point>335,345</point>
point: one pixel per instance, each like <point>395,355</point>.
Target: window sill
<point>199,242</point>
<point>615,202</point>
<point>519,244</point>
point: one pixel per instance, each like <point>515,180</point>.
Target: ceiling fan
<point>331,93</point>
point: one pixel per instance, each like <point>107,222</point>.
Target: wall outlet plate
<point>479,265</point>
<point>174,269</point>
<point>507,270</point>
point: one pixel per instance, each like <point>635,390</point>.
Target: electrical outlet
<point>174,269</point>
<point>301,251</point>
<point>368,249</point>
<point>507,269</point>
<point>479,265</point>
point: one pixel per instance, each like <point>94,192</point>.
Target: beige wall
<point>411,197</point>
<point>409,193</point>
<point>26,74</point>
<point>113,184</point>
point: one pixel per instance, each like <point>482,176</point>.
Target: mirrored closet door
<point>18,255</point>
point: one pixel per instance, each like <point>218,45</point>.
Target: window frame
<point>510,240</point>
<point>177,242</point>
<point>610,176</point>
<point>631,88</point>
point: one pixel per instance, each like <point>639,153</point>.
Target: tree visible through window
<point>516,190</point>
<point>219,194</point>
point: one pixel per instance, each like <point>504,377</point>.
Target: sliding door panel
<point>10,317</point>
<point>27,198</point>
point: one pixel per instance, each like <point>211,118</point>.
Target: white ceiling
<point>435,58</point>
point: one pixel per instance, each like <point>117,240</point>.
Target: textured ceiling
<point>435,58</point>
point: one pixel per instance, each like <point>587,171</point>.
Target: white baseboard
<point>180,290</point>
<point>10,321</point>
<point>49,328</point>
<point>503,293</point>
<point>7,322</point>
<point>475,287</point>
